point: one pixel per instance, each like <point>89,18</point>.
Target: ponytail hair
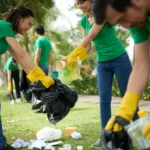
<point>15,14</point>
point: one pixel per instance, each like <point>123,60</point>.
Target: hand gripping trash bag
<point>58,99</point>
<point>117,140</point>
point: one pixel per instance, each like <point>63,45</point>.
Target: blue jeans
<point>121,67</point>
<point>2,137</point>
<point>45,69</point>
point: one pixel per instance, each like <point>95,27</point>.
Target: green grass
<point>84,116</point>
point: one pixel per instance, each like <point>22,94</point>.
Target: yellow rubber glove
<point>146,131</point>
<point>10,87</point>
<point>126,110</point>
<point>72,58</point>
<point>37,74</point>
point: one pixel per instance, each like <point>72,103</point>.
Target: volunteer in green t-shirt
<point>111,56</point>
<point>19,21</point>
<point>12,71</point>
<point>42,49</point>
<point>134,15</point>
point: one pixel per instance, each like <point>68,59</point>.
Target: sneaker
<point>12,101</point>
<point>18,100</point>
<point>97,144</point>
<point>7,147</point>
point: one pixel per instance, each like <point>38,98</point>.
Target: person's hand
<point>78,53</point>
<point>36,74</point>
<point>146,131</point>
<point>126,112</point>
<point>10,87</point>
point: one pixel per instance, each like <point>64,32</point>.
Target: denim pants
<point>121,68</point>
<point>2,137</point>
<point>44,68</point>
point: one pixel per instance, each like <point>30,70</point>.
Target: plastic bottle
<point>135,131</point>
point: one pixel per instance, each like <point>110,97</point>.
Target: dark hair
<point>81,0</point>
<point>40,30</point>
<point>13,60</point>
<point>99,8</point>
<point>15,14</point>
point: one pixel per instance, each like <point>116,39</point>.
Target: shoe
<point>18,100</point>
<point>7,147</point>
<point>97,144</point>
<point>12,101</point>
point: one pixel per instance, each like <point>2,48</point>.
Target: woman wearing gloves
<point>19,21</point>
<point>112,60</point>
<point>12,71</point>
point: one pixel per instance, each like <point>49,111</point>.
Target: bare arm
<point>37,55</point>
<point>9,73</point>
<point>93,32</point>
<point>21,56</point>
<point>88,46</point>
<point>140,74</point>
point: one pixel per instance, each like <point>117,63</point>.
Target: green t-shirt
<point>141,34</point>
<point>45,45</point>
<point>10,66</point>
<point>5,31</point>
<point>106,43</point>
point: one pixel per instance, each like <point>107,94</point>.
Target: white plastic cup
<point>60,65</point>
<point>135,132</point>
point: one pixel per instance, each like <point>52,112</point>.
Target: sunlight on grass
<point>84,116</point>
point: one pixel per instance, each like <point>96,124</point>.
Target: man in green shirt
<point>133,14</point>
<point>42,49</point>
<point>12,71</point>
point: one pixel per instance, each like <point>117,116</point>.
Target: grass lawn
<point>84,116</point>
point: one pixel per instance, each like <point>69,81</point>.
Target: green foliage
<point>88,84</point>
<point>146,94</point>
<point>123,35</point>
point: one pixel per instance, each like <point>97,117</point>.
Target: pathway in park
<point>94,99</point>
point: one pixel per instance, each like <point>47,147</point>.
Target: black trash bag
<point>58,99</point>
<point>36,104</point>
<point>117,140</point>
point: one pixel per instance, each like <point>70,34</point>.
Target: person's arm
<point>9,73</point>
<point>140,73</point>
<point>37,55</point>
<point>21,56</point>
<point>9,78</point>
<point>88,46</point>
<point>82,49</point>
<point>24,59</point>
<point>137,84</point>
<point>92,34</point>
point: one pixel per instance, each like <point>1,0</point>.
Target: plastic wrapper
<point>69,74</point>
<point>135,132</point>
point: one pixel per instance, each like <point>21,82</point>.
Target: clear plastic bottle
<point>135,131</point>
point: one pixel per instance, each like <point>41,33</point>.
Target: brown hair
<point>15,14</point>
